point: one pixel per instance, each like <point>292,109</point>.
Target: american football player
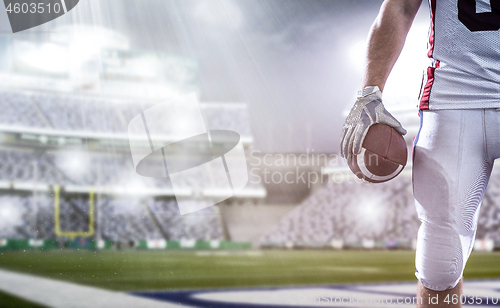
<point>459,136</point>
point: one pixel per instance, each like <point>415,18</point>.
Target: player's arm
<point>386,40</point>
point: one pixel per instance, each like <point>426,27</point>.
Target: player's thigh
<point>451,165</point>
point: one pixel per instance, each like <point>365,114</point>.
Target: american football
<point>383,155</point>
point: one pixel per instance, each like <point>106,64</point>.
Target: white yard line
<point>55,293</point>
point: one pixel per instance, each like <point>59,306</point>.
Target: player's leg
<point>451,168</point>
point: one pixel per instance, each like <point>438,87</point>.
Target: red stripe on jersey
<point>424,101</point>
<point>431,35</point>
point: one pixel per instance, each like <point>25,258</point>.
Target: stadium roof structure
<point>102,118</point>
<point>247,140</point>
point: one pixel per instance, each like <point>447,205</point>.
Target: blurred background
<point>281,73</point>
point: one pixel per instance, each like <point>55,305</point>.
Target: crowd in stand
<point>489,215</point>
<point>101,115</point>
<point>353,212</point>
<point>203,224</point>
<point>117,219</point>
<point>32,165</point>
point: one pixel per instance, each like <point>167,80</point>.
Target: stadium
<point>79,227</point>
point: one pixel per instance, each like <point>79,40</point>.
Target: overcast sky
<point>294,62</point>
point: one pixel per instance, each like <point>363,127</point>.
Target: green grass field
<point>167,270</point>
<point>9,301</point>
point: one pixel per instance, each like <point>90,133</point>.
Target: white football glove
<point>367,111</point>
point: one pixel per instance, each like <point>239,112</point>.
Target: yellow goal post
<point>72,234</point>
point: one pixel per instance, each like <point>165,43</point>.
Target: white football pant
<point>452,162</point>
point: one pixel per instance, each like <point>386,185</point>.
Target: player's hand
<point>367,111</point>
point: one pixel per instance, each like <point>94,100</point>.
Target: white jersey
<point>464,45</point>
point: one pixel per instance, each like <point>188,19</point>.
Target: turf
<point>150,270</point>
<point>9,301</point>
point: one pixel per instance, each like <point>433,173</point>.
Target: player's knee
<point>440,259</point>
<point>440,274</point>
<point>439,281</point>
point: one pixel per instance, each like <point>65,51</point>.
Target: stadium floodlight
<point>369,213</point>
<point>10,215</point>
<point>171,140</point>
<point>74,164</point>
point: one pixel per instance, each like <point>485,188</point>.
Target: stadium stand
<point>489,217</point>
<point>19,110</point>
<point>67,167</point>
<point>30,211</point>
<point>356,212</point>
<point>122,219</point>
<point>22,165</point>
<point>100,115</point>
<point>203,224</point>
<point>16,209</point>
